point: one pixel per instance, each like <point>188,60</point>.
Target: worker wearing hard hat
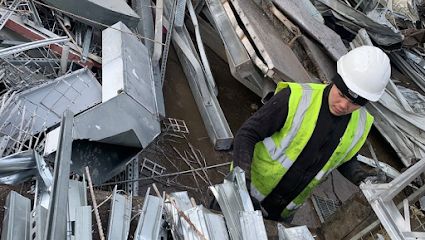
<point>307,130</point>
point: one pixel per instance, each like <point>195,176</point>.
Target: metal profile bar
<point>16,217</point>
<point>211,225</point>
<point>294,233</point>
<point>31,45</point>
<point>83,223</point>
<point>150,221</point>
<point>180,13</point>
<point>233,198</point>
<point>34,13</point>
<point>201,49</point>
<point>216,225</point>
<point>215,122</point>
<point>86,43</point>
<point>146,26</point>
<point>120,216</point>
<point>269,43</point>
<point>157,47</point>
<point>56,226</point>
<point>245,41</point>
<point>43,184</point>
<point>252,225</point>
<point>132,172</point>
<point>166,50</point>
<point>38,222</point>
<point>230,205</point>
<point>77,198</point>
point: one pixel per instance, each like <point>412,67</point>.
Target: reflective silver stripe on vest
<point>278,153</point>
<point>320,175</point>
<point>357,135</point>
<point>359,130</point>
<point>292,206</point>
<point>255,193</point>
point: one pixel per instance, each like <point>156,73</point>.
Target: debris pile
<point>83,80</point>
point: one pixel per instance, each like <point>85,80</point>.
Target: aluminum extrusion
<point>56,225</point>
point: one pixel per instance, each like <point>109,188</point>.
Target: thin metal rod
<point>167,175</point>
<point>93,198</point>
<point>104,201</point>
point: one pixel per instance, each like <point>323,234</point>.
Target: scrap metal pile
<point>84,79</point>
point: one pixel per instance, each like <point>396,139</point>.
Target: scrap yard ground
<point>102,84</point>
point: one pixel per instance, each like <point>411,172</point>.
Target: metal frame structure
<point>380,197</point>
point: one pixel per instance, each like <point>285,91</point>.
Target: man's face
<point>339,104</point>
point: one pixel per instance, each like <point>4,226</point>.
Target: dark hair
<point>339,83</point>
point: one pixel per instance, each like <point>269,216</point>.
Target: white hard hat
<point>366,71</point>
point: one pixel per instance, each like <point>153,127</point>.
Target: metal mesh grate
<point>324,207</point>
<point>176,125</point>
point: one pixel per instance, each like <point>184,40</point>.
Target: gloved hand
<point>378,178</point>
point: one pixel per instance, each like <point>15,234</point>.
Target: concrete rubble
<point>85,105</point>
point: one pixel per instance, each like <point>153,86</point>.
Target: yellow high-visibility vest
<point>274,155</point>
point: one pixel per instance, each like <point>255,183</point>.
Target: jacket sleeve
<point>355,171</point>
<point>269,119</point>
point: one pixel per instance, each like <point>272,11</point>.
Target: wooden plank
<point>277,55</point>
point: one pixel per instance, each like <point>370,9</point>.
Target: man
<point>306,130</point>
